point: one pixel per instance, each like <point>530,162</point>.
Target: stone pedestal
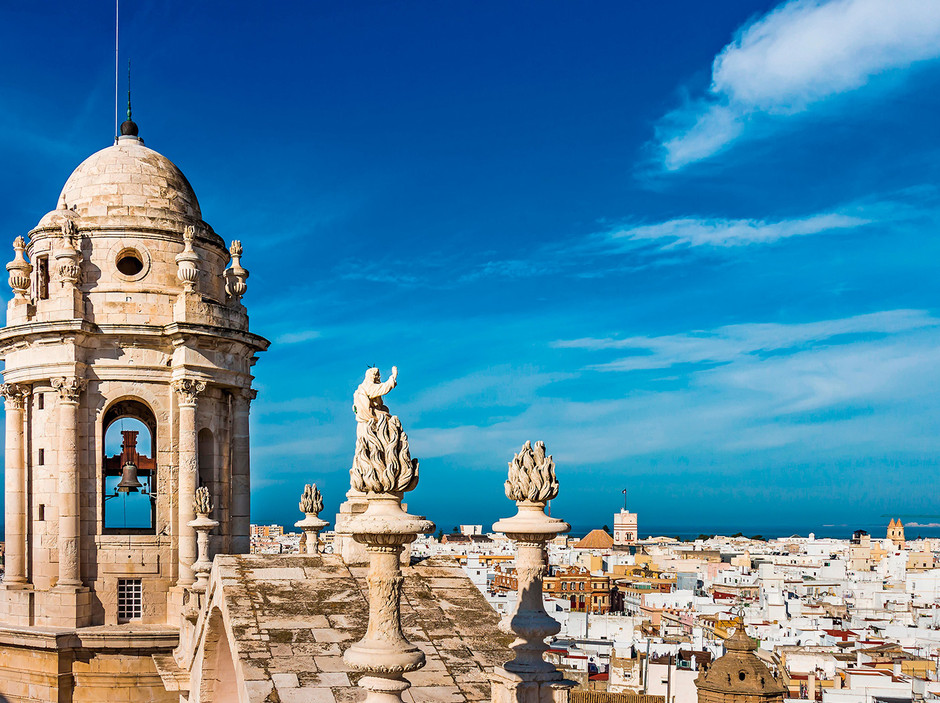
<point>384,655</point>
<point>311,525</point>
<point>17,604</point>
<point>507,687</point>
<point>203,525</point>
<point>64,606</point>
<point>353,552</point>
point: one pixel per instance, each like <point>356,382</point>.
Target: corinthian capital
<point>69,387</point>
<point>188,389</point>
<point>15,394</point>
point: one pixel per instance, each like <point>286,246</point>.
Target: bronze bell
<point>129,482</point>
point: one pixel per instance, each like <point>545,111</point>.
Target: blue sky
<point>692,246</point>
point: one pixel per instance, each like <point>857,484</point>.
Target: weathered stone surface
<point>291,632</point>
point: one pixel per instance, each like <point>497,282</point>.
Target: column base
<point>17,604</point>
<point>508,687</point>
<point>65,606</point>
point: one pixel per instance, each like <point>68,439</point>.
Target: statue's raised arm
<point>368,400</point>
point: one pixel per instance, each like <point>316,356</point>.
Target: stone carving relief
<point>69,387</point>
<point>188,390</point>
<point>15,394</point>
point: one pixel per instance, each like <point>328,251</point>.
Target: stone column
<point>384,470</point>
<point>15,485</point>
<point>241,470</point>
<point>528,676</point>
<point>187,390</point>
<point>70,389</point>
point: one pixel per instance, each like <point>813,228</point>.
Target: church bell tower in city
<point>127,385</point>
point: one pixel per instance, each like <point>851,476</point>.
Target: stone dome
<point>128,184</point>
<point>739,674</point>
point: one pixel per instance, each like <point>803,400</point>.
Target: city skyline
<point>709,285</point>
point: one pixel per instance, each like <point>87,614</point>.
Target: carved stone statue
<point>382,472</point>
<point>368,407</point>
<point>368,399</point>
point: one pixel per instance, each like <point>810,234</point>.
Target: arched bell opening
<point>130,468</point>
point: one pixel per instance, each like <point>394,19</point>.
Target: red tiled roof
<point>596,539</point>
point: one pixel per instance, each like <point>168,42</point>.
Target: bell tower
<point>127,385</point>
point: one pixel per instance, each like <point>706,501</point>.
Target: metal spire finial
<point>128,90</point>
<point>129,128</point>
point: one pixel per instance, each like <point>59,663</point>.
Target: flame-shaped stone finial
<point>532,475</point>
<point>201,504</point>
<point>383,462</point>
<point>311,502</point>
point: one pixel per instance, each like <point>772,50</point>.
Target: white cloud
<point>695,232</point>
<point>298,337</point>
<point>801,53</point>
<point>497,386</point>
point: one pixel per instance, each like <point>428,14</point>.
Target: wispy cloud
<point>828,386</point>
<point>736,342</point>
<point>696,232</point>
<point>497,386</point>
<point>795,57</point>
<point>643,245</point>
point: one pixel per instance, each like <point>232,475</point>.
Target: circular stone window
<point>129,262</point>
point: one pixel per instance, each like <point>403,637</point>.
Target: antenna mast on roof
<point>116,25</point>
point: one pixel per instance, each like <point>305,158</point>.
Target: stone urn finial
<point>187,261</point>
<point>20,270</point>
<point>383,470</point>
<point>531,484</point>
<point>311,503</point>
<point>235,275</point>
<point>203,525</point>
<point>69,255</point>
